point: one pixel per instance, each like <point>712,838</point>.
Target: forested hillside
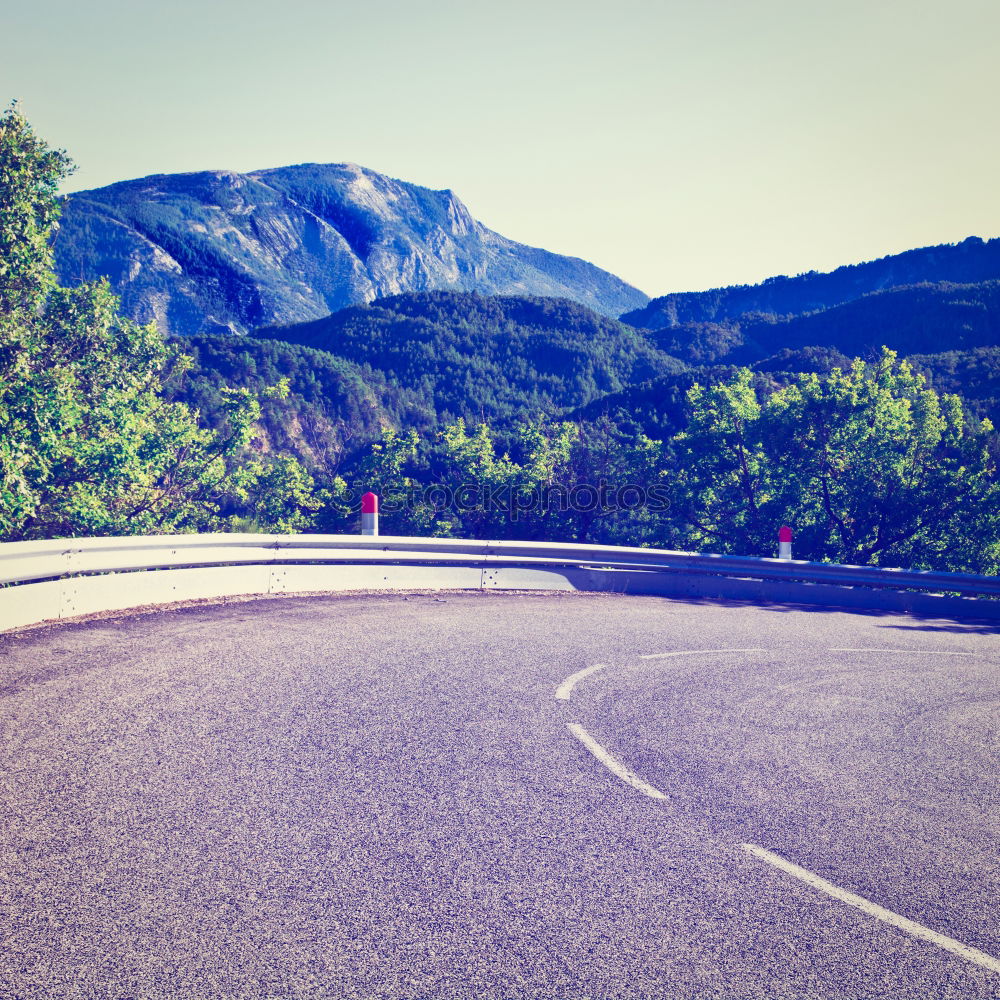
<point>658,407</point>
<point>466,355</point>
<point>975,375</point>
<point>333,407</point>
<point>418,394</point>
<point>502,416</point>
<point>972,261</point>
<point>910,319</point>
<point>91,442</point>
<point>918,321</point>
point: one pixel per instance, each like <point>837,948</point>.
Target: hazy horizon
<point>70,188</point>
<point>679,146</point>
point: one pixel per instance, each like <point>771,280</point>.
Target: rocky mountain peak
<point>221,249</point>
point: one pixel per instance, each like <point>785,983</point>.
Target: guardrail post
<point>784,542</point>
<point>369,514</point>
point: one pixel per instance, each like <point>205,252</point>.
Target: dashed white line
<point>613,765</point>
<point>928,652</point>
<point>873,910</point>
<point>902,923</point>
<point>692,652</point>
<point>564,689</point>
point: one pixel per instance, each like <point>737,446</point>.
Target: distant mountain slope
<point>500,357</point>
<point>971,261</point>
<point>333,406</point>
<point>222,251</point>
<point>911,319</point>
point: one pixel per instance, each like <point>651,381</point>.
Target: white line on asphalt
<point>929,652</point>
<point>691,652</point>
<point>564,689</point>
<point>614,766</point>
<point>873,910</point>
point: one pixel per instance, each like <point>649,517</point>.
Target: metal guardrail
<point>63,578</point>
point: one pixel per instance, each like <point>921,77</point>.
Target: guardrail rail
<point>64,578</point>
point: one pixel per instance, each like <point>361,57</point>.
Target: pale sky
<point>680,144</point>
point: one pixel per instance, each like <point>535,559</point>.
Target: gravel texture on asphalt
<point>377,796</point>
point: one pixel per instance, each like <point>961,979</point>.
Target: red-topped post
<point>369,514</point>
<point>784,542</point>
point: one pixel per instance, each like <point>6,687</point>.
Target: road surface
<point>504,796</point>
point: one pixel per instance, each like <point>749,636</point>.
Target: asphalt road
<point>379,796</point>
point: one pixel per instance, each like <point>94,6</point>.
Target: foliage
<point>89,444</point>
<point>30,172</point>
<point>974,374</point>
<point>492,359</point>
<point>333,409</point>
<point>503,417</point>
<point>869,465</point>
<point>558,480</point>
<point>867,462</point>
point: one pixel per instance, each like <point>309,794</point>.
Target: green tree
<point>625,471</point>
<point>30,172</point>
<point>88,443</point>
<point>383,470</point>
<point>470,463</point>
<point>720,481</point>
<point>869,465</point>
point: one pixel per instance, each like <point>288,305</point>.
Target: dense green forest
<point>916,321</point>
<point>333,408</point>
<point>975,375</point>
<point>659,407</point>
<point>498,416</point>
<point>489,358</point>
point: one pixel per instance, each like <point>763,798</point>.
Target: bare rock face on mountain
<point>220,250</point>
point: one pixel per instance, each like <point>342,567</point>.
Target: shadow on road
<point>925,623</point>
<point>968,628</point>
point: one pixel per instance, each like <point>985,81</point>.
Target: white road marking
<point>929,652</point>
<point>873,910</point>
<point>614,766</point>
<point>564,689</point>
<point>692,652</point>
<point>902,923</point>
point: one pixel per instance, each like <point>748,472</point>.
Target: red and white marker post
<point>784,542</point>
<point>369,514</point>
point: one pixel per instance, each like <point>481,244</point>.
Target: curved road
<point>505,796</point>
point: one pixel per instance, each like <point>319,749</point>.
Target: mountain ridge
<point>969,261</point>
<point>226,251</point>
